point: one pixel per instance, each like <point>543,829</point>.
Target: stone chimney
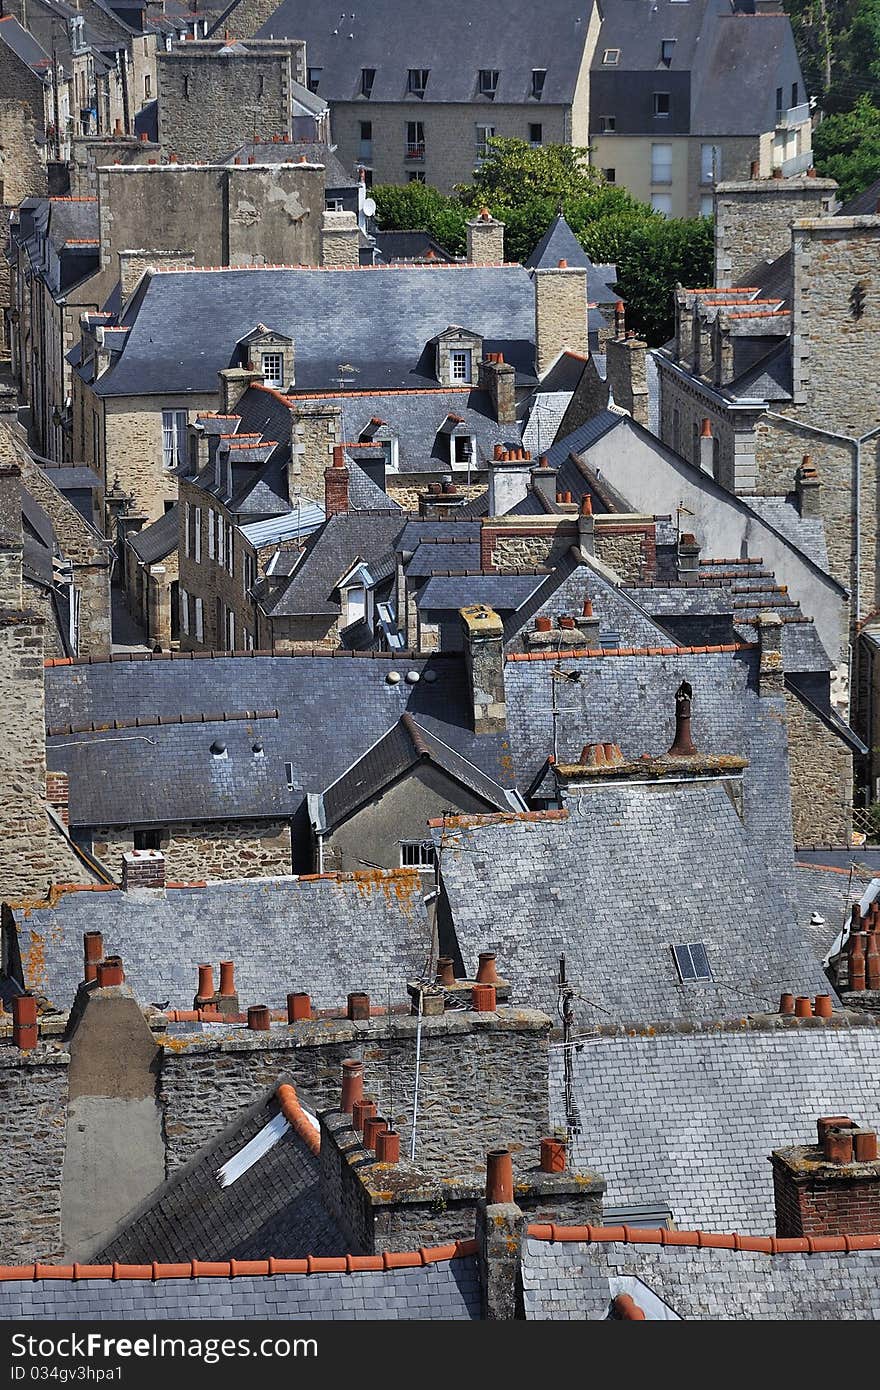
<point>11,592</point>
<point>627,375</point>
<point>234,381</point>
<point>753,220</point>
<point>336,484</point>
<point>143,870</point>
<point>831,1188</point>
<point>687,556</point>
<point>316,430</point>
<point>485,239</point>
<point>509,474</point>
<point>707,449</point>
<point>560,313</point>
<point>499,378</point>
<point>484,654</point>
<point>586,526</point>
<point>809,489</point>
<point>771,673</point>
<point>544,482</point>
<point>340,241</point>
<point>441,501</point>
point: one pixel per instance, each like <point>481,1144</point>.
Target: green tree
<point>659,254</point>
<point>418,206</point>
<point>847,147</point>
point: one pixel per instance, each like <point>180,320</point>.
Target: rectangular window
<point>539,77</point>
<point>667,48</point>
<point>197,535</point>
<point>710,163</point>
<point>485,133</point>
<point>607,125</point>
<point>611,57</point>
<point>536,134</point>
<point>230,630</point>
<point>147,839</point>
<point>662,202</point>
<point>220,534</point>
<point>661,164</point>
<point>415,140</point>
<point>183,610</point>
<point>365,145</point>
<point>661,103</point>
<point>692,961</point>
<point>417,81</point>
<point>487,84</point>
<point>200,620</point>
<point>417,854</point>
<point>230,550</point>
<point>96,441</point>
<point>314,78</point>
<point>794,94</point>
<point>173,438</point>
<point>368,77</point>
<point>248,640</point>
<point>778,103</point>
<point>147,86</point>
<point>610,175</point>
<point>211,519</point>
<point>416,176</point>
<point>460,364</point>
<point>186,523</point>
<point>273,369</point>
<point>706,209</point>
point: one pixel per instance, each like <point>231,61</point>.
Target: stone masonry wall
<point>752,220</point>
<point>209,850</point>
<point>821,769</point>
<point>482,1081</point>
<point>33,1110</point>
<point>132,444</point>
<point>210,105</point>
<point>23,171</point>
<point>625,554</point>
<point>560,314</point>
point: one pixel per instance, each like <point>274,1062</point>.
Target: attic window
<point>692,962</point>
<point>368,77</point>
<point>611,57</point>
<point>667,48</point>
<point>539,77</point>
<point>460,368</point>
<point>273,369</point>
<point>488,83</point>
<point>314,78</point>
<point>417,81</point>
<point>417,854</point>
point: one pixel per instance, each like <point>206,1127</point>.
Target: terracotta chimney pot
<point>499,1177</point>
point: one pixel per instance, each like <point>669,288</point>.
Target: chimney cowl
<point>683,746</point>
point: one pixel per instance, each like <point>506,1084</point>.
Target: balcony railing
<point>794,116</point>
<point>416,151</point>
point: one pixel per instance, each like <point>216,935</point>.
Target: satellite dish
<point>369,207</point>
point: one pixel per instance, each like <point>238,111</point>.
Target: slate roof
<point>155,542</point>
<point>565,1280</point>
<point>742,54</point>
<point>391,38</point>
<point>409,246</point>
<point>673,861</point>
<point>272,1209</point>
<point>805,532</point>
<point>443,556</point>
<point>167,772</point>
<point>282,152</point>
<point>769,379</point>
<point>503,592</point>
<point>864,204</point>
<point>708,1106</point>
<point>326,936</point>
<point>185,324</point>
<point>559,243</point>
<point>401,749</point>
<point>23,44</point>
<point>328,556</point>
<point>443,1289</point>
<point>562,593</point>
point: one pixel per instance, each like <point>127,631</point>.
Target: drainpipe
<point>856,442</point>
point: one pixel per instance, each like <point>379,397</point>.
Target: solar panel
<point>692,961</point>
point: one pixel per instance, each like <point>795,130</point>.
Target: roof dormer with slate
<point>272,353</point>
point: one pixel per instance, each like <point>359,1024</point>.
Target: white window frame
<point>662,202</point>
<point>274,379</point>
<point>186,523</point>
<point>230,550</point>
<point>183,610</point>
<point>417,854</point>
<point>485,133</point>
<point>197,535</point>
<point>230,630</point>
<point>456,439</point>
<point>463,359</point>
<point>611,57</point>
<point>661,168</point>
<point>174,429</point>
<point>710,163</point>
<point>220,537</point>
<point>200,619</point>
<point>211,516</point>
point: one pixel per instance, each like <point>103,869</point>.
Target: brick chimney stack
<point>143,869</point>
<point>831,1188</point>
<point>336,484</point>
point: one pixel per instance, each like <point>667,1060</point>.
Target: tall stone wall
<point>22,170</point>
<point>821,768</point>
<point>753,220</point>
<point>208,849</point>
<point>33,1113</point>
<point>209,105</point>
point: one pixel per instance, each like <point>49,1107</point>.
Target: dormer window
<point>539,77</point>
<point>314,78</point>
<point>417,81</point>
<point>368,77</point>
<point>273,369</point>
<point>461,366</point>
<point>667,48</point>
<point>488,83</point>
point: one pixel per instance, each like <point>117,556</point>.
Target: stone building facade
<point>195,851</point>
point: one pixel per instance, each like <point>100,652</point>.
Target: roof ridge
<point>237,1269</point>
<point>416,734</point>
<point>706,1240</point>
<point>582,652</point>
<point>477,820</point>
<point>296,1117</point>
<point>401,654</point>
